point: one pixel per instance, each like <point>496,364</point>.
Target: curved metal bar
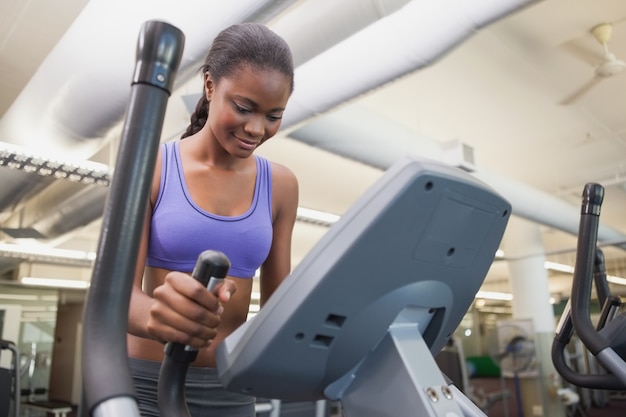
<point>583,273</point>
<point>106,376</point>
<point>211,268</point>
<point>576,317</point>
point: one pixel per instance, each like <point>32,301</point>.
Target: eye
<point>274,118</point>
<point>241,109</point>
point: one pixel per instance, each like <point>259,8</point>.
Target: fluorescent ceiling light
<point>492,295</point>
<point>554,266</point>
<point>35,308</point>
<point>38,319</point>
<point>570,270</point>
<point>55,282</point>
<point>616,280</point>
<point>40,250</point>
<point>317,217</point>
<point>19,297</point>
<point>39,314</point>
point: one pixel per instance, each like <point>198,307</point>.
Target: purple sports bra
<point>181,230</point>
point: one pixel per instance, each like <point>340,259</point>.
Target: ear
<point>208,86</point>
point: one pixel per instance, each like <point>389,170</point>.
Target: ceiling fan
<point>608,67</point>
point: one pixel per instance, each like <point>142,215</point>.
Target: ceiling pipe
<point>340,21</point>
<point>382,142</point>
<point>77,211</point>
<point>405,41</point>
<point>17,187</point>
<point>331,21</point>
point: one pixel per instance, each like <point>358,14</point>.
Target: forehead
<point>262,86</point>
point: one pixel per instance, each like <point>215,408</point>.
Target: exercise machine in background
<point>606,341</point>
<point>10,382</point>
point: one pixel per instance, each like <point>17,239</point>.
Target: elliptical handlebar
<point>211,268</point>
<point>576,317</point>
<point>108,386</point>
<point>593,194</point>
<point>599,278</point>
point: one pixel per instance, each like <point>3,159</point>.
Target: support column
<point>523,247</point>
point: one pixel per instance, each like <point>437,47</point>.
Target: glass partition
<point>28,317</point>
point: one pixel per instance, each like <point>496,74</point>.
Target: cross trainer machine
<point>607,340</point>
<point>358,320</point>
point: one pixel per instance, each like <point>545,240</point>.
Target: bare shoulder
<point>283,178</point>
<point>285,191</point>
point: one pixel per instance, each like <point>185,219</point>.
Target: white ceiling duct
<point>331,21</point>
<point>382,142</point>
<point>411,38</point>
<point>315,26</point>
<point>18,186</point>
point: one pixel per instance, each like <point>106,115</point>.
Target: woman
<point>210,192</point>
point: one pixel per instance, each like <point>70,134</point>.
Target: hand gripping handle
<point>211,269</point>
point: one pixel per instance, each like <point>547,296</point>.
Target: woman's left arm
<point>284,207</point>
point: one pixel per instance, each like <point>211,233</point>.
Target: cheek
<point>224,118</point>
<point>229,119</point>
<point>271,129</point>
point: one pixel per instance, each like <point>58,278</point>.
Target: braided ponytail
<point>198,117</point>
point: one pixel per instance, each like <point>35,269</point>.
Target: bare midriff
<point>234,315</point>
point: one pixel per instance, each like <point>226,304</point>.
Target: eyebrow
<point>255,105</point>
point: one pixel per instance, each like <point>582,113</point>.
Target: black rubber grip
<point>211,266</point>
<point>158,57</point>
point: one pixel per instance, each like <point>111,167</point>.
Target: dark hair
<point>241,44</point>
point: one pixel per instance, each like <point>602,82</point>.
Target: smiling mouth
<point>247,144</point>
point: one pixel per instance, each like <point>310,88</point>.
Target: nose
<point>255,126</point>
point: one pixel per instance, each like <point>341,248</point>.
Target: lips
<point>247,144</point>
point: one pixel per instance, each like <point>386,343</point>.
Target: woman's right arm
<point>175,307</point>
<point>140,301</point>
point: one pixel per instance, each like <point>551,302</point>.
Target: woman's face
<point>246,108</point>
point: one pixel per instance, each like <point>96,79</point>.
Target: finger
<point>177,308</point>
<point>174,317</point>
<point>166,324</point>
<point>192,289</point>
<point>225,290</point>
